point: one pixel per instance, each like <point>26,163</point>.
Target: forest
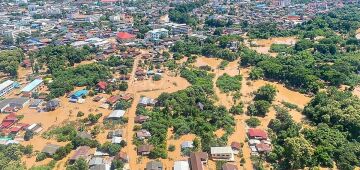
<point>334,136</point>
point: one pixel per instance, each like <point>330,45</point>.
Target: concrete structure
<point>157,34</point>
<point>116,114</point>
<point>13,103</point>
<point>181,165</point>
<point>6,87</point>
<point>33,86</point>
<point>222,153</point>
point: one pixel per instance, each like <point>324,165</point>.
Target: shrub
<point>156,77</point>
<point>253,122</point>
<point>171,148</point>
<point>80,114</point>
<point>41,156</point>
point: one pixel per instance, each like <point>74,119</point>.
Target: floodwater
<point>263,45</point>
<point>169,83</point>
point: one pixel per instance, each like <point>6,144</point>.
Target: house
<point>8,121</point>
<point>116,114</point>
<point>35,128</point>
<point>228,166</point>
<point>154,165</point>
<point>35,103</point>
<point>222,153</point>
<point>257,134</point>
<point>101,86</point>
<point>141,119</point>
<point>50,149</point>
<point>78,94</point>
<point>123,37</point>
<point>143,134</point>
<point>99,163</point>
<point>115,133</point>
<point>6,87</point>
<point>97,98</point>
<point>84,135</point>
<point>126,97</point>
<point>145,101</point>
<point>263,147</point>
<point>198,160</point>
<point>181,165</point>
<point>236,147</point>
<point>113,99</point>
<point>81,152</point>
<point>116,140</point>
<point>144,149</point>
<point>157,34</point>
<point>33,86</point>
<point>187,144</point>
<point>122,156</point>
<point>13,104</point>
<point>52,104</point>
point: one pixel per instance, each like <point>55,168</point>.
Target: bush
<point>256,73</point>
<point>80,114</point>
<point>171,148</point>
<point>253,122</point>
<point>156,77</point>
<point>237,109</point>
<point>123,86</point>
<point>227,83</point>
<point>267,92</point>
<point>259,108</point>
<point>40,156</point>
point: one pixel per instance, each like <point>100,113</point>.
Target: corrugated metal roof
<point>32,85</point>
<point>5,84</point>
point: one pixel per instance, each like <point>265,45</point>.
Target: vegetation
<point>253,122</point>
<point>10,61</point>
<point>223,64</point>
<point>180,13</point>
<point>83,75</point>
<point>227,83</point>
<point>256,73</point>
<point>211,47</point>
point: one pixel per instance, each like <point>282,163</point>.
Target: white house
<point>222,153</point>
<point>157,34</point>
<point>6,87</point>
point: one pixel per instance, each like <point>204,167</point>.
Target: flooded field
<point>263,45</point>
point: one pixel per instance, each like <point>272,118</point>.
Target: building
<point>181,165</point>
<point>145,101</point>
<point>257,134</point>
<point>154,165</point>
<point>15,31</point>
<point>33,86</point>
<point>124,37</point>
<point>157,34</point>
<point>143,134</point>
<point>13,104</point>
<point>116,114</point>
<point>6,87</point>
<point>35,103</point>
<point>187,144</point>
<point>141,119</point>
<point>198,160</point>
<point>50,149</point>
<point>222,153</point>
<point>177,29</point>
<point>52,104</point>
<point>144,149</point>
<point>81,152</point>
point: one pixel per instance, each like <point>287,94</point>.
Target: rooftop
<point>5,84</point>
<point>32,85</point>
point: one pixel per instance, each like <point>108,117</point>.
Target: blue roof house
<point>79,94</point>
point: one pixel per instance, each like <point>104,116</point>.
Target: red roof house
<point>8,121</point>
<point>257,134</point>
<point>113,99</point>
<point>102,85</point>
<point>125,36</point>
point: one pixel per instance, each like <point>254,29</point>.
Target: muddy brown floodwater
<point>263,45</point>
